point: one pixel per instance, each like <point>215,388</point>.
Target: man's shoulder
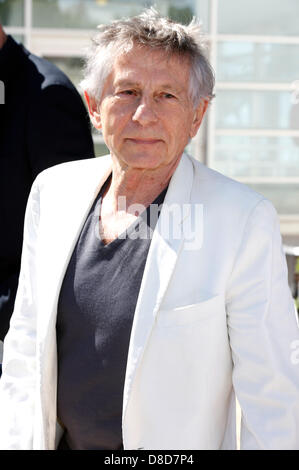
<point>230,202</point>
<point>38,73</point>
<point>69,173</point>
<point>35,69</point>
<point>218,186</point>
<point>49,72</point>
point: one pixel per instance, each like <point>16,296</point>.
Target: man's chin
<point>145,162</point>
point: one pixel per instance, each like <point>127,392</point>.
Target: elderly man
<point>134,328</point>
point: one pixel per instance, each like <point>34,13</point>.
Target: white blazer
<point>214,316</point>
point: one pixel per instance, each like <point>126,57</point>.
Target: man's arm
<point>262,328</point>
<point>18,381</point>
<point>58,128</point>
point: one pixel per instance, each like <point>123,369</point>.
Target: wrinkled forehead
<point>151,64</point>
<point>153,56</point>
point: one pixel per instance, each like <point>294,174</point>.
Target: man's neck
<point>137,186</point>
<point>3,37</point>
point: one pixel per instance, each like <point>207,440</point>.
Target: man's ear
<point>94,114</point>
<point>198,116</point>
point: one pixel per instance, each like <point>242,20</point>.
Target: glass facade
<point>80,13</point>
<point>71,66</point>
<point>257,62</point>
<point>284,196</point>
<point>251,131</point>
<point>254,157</point>
<point>254,109</point>
<point>100,148</point>
<point>12,12</point>
<point>253,128</point>
<point>256,17</point>
<point>89,13</point>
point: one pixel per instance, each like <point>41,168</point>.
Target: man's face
<point>145,112</point>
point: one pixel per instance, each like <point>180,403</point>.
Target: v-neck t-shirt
<point>94,319</point>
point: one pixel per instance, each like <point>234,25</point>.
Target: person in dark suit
<point>43,122</point>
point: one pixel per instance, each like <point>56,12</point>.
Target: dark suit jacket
<point>43,122</point>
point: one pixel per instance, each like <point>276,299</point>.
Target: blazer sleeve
<point>18,380</point>
<point>263,331</point>
<point>58,128</point>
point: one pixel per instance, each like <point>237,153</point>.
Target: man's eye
<point>127,92</point>
<point>168,95</point>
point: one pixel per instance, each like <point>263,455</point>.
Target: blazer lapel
<point>66,197</point>
<point>165,247</point>
<point>65,216</point>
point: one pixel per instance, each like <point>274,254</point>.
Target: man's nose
<point>145,112</point>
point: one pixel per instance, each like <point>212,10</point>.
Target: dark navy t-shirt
<point>94,320</point>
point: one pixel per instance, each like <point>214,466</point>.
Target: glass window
<point>12,12</point>
<point>89,13</point>
<point>285,197</point>
<point>247,156</point>
<point>255,110</point>
<point>71,66</point>
<point>202,12</point>
<point>184,10</point>
<point>267,17</point>
<point>248,61</point>
<point>100,149</point>
<point>181,11</point>
<point>19,38</point>
<point>80,13</point>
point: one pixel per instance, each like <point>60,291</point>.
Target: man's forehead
<point>151,55</point>
<point>155,63</point>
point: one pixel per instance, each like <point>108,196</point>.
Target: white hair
<point>150,30</point>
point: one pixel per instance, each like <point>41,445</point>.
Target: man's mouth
<point>144,141</point>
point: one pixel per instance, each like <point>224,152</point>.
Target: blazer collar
<point>65,214</point>
<point>165,247</point>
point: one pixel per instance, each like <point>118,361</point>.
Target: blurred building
<point>252,130</point>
